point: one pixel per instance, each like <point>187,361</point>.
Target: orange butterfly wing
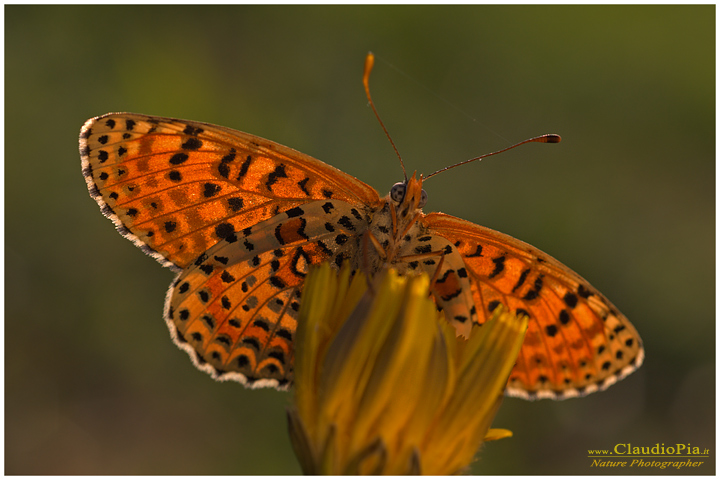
<point>239,216</point>
<point>175,187</point>
<point>577,342</point>
<point>186,192</point>
<point>234,310</point>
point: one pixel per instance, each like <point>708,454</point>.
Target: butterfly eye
<point>397,192</point>
<point>423,199</point>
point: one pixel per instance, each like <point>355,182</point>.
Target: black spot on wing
<point>420,249</point>
<point>328,207</point>
<point>236,203</point>
<point>452,295</point>
<point>521,280</point>
<point>303,186</point>
<point>225,302</point>
<point>244,168</point>
<point>277,282</point>
<point>191,144</point>
<point>179,158</point>
<point>570,299</point>
<point>535,291</point>
<point>299,263</point>
<point>583,292</point>
<point>211,189</point>
<point>194,131</point>
<point>275,175</point>
<point>294,212</point>
<point>224,230</point>
<point>346,222</point>
<point>284,333</point>
<point>499,266</point>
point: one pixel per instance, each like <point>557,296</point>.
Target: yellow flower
<point>382,383</point>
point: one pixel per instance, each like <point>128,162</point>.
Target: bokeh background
<point>93,384</point>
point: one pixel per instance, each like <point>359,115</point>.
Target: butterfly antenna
<point>369,62</point>
<point>547,138</point>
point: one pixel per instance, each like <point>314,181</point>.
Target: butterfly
<point>241,219</point>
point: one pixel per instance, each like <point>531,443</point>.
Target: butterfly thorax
<point>398,237</point>
<point>395,224</point>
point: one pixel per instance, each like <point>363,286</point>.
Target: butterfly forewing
<point>577,342</point>
<point>176,188</point>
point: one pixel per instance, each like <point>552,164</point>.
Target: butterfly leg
<point>421,256</point>
<point>368,236</point>
<point>409,225</point>
<point>393,218</point>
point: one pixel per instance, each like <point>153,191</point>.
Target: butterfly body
<point>242,219</point>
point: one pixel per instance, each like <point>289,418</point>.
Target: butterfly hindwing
<point>577,342</point>
<point>234,310</point>
<point>436,257</point>
<point>176,188</point>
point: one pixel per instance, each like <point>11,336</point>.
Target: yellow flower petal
<point>497,434</point>
<point>384,385</point>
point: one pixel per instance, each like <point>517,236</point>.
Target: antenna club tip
<point>552,138</point>
<point>369,62</point>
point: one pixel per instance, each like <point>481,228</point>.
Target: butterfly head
<point>409,194</point>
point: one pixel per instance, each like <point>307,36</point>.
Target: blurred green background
<point>93,384</point>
